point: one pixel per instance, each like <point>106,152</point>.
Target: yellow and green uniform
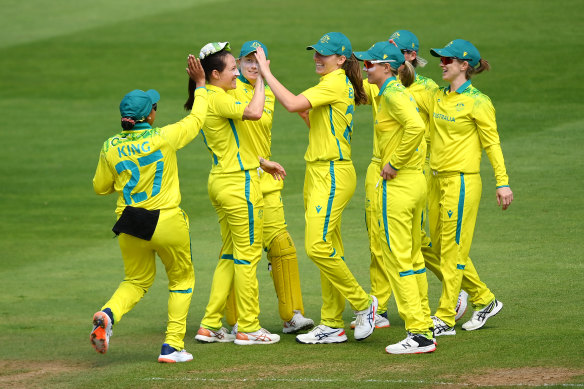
<point>140,165</point>
<point>234,190</point>
<point>462,124</point>
<point>400,136</point>
<point>329,184</point>
<point>276,239</point>
<point>380,286</point>
<point>423,89</point>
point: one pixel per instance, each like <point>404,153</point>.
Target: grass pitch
<point>65,67</point>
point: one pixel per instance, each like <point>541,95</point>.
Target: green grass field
<point>64,68</point>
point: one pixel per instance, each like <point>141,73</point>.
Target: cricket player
<point>234,190</point>
<point>277,242</point>
<point>462,124</point>
<point>399,132</point>
<point>140,165</point>
<point>423,89</point>
<point>330,181</point>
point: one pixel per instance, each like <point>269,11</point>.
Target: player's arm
<point>255,108</point>
<point>484,116</point>
<point>103,181</point>
<point>273,168</point>
<point>404,111</point>
<point>183,132</point>
<point>290,101</point>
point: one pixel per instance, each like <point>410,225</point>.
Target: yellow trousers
<point>171,242</point>
<point>238,201</point>
<point>401,201</point>
<point>478,292</point>
<point>453,203</point>
<point>328,187</point>
<point>378,273</point>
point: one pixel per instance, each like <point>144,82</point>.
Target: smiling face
<point>249,67</point>
<point>327,63</point>
<point>453,69</point>
<point>227,78</point>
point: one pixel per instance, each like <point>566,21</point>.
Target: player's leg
<point>139,273</point>
<point>460,198</point>
<point>172,243</point>
<point>378,273</point>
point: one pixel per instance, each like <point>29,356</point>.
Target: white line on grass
<point>322,380</point>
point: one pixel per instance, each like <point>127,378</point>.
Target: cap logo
<point>256,44</point>
<point>384,56</point>
<point>342,48</point>
<point>413,45</point>
<point>451,42</point>
<point>464,54</point>
<point>325,39</point>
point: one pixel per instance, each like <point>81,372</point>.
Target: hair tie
<point>129,120</point>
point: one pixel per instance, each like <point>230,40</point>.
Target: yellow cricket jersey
<point>423,90</point>
<point>399,129</point>
<point>140,164</point>
<point>461,125</point>
<point>372,91</point>
<point>331,118</point>
<point>224,134</point>
<point>260,131</point>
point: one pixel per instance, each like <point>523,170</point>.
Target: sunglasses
<point>370,64</point>
<point>155,106</point>
<point>407,51</point>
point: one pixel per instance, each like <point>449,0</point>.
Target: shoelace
<point>482,314</point>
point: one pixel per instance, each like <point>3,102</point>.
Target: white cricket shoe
<point>209,336</point>
<point>479,318</point>
<point>297,323</point>
<point>234,330</point>
<point>381,321</point>
<point>261,336</point>
<point>441,328</point>
<point>169,354</point>
<point>102,330</point>
<point>323,334</point>
<point>461,305</point>
<point>412,344</point>
<point>365,320</point>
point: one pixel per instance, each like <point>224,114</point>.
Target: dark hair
<point>128,123</point>
<point>470,71</point>
<point>352,68</point>
<point>215,61</point>
<point>407,74</point>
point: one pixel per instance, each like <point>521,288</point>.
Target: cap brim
<point>364,56</point>
<point>320,49</point>
<point>154,95</point>
<point>441,53</point>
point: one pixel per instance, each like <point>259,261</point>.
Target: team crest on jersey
<point>260,213</point>
<point>459,107</point>
<point>325,39</point>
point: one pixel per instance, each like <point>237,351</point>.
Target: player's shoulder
<point>426,82</point>
<point>477,96</point>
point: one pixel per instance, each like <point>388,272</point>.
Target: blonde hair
<point>407,74</point>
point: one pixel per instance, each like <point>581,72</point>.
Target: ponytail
<point>483,65</point>
<point>128,123</point>
<point>191,93</point>
<point>353,71</point>
<point>407,74</point>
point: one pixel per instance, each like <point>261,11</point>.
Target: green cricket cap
<point>405,40</point>
<point>138,104</point>
<point>460,49</point>
<point>382,52</point>
<point>251,47</point>
<point>333,43</point>
<point>212,48</point>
